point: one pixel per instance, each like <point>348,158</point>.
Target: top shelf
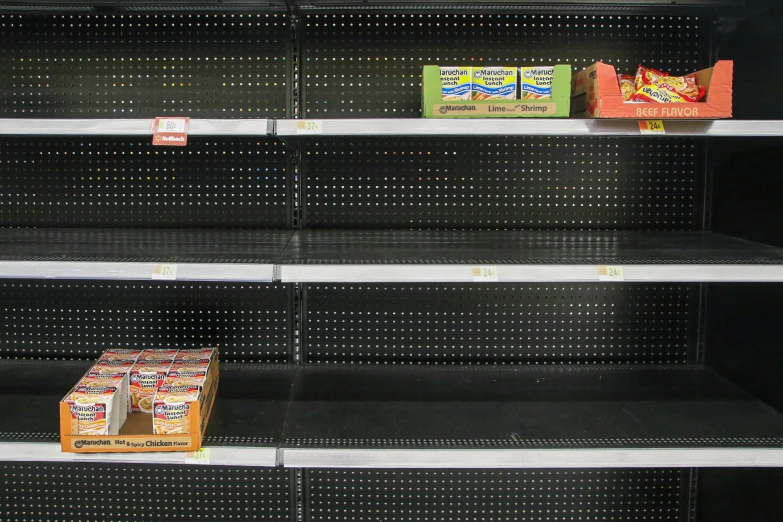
<point>392,127</point>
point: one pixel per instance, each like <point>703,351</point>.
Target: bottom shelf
<point>436,417</point>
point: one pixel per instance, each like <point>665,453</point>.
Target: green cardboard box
<point>558,106</point>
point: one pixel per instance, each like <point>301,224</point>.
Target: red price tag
<point>170,132</point>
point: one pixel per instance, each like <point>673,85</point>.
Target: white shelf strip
<point>129,127</point>
<point>532,458</point>
<point>527,127</point>
<point>219,455</point>
<point>135,271</point>
<point>435,273</point>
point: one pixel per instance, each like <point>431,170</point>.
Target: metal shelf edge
<point>219,455</point>
<point>453,273</point>
<point>129,127</point>
<point>135,271</point>
<point>533,458</point>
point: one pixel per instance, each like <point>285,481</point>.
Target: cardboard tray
<point>136,434</point>
<point>595,93</point>
<point>434,106</point>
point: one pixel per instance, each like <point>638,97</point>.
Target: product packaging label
<point>494,83</point>
<point>536,82</point>
<point>455,83</point>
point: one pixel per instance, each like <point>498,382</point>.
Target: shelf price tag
<point>485,274</point>
<point>309,127</point>
<point>610,273</point>
<point>200,456</point>
<point>170,132</point>
<point>651,127</point>
<point>165,272</point>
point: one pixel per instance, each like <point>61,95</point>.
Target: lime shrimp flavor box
<point>494,93</point>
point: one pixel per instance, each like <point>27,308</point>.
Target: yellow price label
<point>651,127</point>
<point>165,272</point>
<point>200,456</point>
<point>610,273</point>
<point>485,274</point>
<point>309,127</point>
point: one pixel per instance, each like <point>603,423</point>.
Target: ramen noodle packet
<point>199,353</point>
<point>158,354</point>
<point>494,83</point>
<point>646,76</point>
<point>116,380</point>
<point>145,378</point>
<point>455,83</point>
<point>172,411</point>
<point>627,85</point>
<point>94,410</point>
<point>535,83</point>
<point>186,377</point>
<point>115,354</point>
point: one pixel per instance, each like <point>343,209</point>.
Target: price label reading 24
<point>485,274</point>
<point>651,127</point>
<point>610,273</point>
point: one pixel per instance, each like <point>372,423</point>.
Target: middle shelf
<point>310,256</point>
<point>437,417</point>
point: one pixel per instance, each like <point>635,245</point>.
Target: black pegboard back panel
<point>516,495</point>
<point>78,319</point>
<point>96,181</point>
<point>505,323</point>
<point>38,491</point>
<point>201,65</point>
<point>362,65</point>
<point>503,182</point>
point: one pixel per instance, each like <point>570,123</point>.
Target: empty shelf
<point>489,417</point>
<point>524,256</point>
<point>244,428</point>
<point>199,255</point>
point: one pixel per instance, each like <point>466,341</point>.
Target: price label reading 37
<point>164,272</point>
<point>309,127</point>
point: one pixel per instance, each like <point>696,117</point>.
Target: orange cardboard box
<point>137,434</point>
<point>595,93</point>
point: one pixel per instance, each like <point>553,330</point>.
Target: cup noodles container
<point>192,364</point>
<point>117,380</point>
<point>113,366</point>
<point>536,83</point>
<point>455,83</point>
<point>186,377</point>
<point>158,354</point>
<point>172,409</point>
<point>494,83</point>
<point>200,353</point>
<point>145,378</point>
<point>120,353</point>
<point>94,410</point>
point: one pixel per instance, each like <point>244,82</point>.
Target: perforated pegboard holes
<point>92,492</point>
<point>42,319</point>
<point>501,323</point>
<point>538,495</point>
<point>369,65</point>
<point>211,65</point>
<point>96,181</point>
<point>502,183</point>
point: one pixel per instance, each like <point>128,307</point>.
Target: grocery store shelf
<point>244,428</point>
<point>199,255</point>
<point>524,256</point>
<point>485,417</point>
<point>528,127</point>
<point>129,127</point>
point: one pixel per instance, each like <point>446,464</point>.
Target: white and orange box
<point>145,378</point>
<point>94,415</point>
<point>94,410</point>
<point>172,412</point>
